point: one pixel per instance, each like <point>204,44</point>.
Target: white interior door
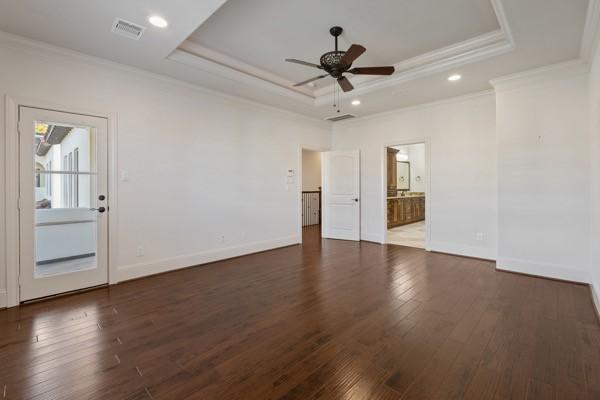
<point>63,205</point>
<point>341,195</point>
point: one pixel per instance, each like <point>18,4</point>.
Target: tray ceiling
<point>261,33</point>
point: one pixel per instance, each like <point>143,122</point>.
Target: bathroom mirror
<point>403,175</point>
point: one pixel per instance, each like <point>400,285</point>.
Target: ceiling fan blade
<point>372,71</point>
<point>352,54</point>
<point>345,84</point>
<point>293,60</point>
<point>311,80</point>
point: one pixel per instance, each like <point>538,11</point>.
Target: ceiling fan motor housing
<point>332,63</point>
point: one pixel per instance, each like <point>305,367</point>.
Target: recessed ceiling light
<point>158,21</point>
<point>356,102</point>
<point>454,78</point>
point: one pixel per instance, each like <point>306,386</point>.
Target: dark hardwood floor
<point>326,320</point>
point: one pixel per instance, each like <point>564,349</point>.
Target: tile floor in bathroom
<point>411,235</point>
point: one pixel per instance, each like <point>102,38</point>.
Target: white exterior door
<point>341,195</point>
<point>63,205</point>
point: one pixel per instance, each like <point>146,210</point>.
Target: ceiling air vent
<point>340,117</point>
<point>127,29</point>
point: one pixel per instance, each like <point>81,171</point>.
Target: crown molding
<point>427,60</point>
<point>212,67</point>
<point>418,107</point>
<point>424,70</point>
<point>469,51</point>
<point>541,75</point>
<point>591,32</point>
<point>503,21</point>
<point>196,49</point>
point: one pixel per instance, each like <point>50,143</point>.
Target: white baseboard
<point>371,237</point>
<point>134,271</point>
<point>461,250</point>
<point>595,299</point>
<point>3,299</point>
<point>544,270</point>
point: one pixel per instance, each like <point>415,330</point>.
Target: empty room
<point>300,199</point>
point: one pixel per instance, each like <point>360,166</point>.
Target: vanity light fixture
<point>454,78</point>
<point>158,21</point>
<point>401,157</point>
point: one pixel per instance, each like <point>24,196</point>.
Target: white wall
<point>311,170</point>
<point>462,201</point>
<point>595,174</point>
<point>200,164</point>
<point>543,174</point>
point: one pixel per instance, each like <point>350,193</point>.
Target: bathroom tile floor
<point>411,235</point>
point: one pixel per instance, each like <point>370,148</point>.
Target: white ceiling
<point>239,48</point>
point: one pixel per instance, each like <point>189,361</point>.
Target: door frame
<point>404,142</point>
<point>299,178</point>
<point>12,182</point>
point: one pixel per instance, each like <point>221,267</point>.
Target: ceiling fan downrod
<point>336,31</point>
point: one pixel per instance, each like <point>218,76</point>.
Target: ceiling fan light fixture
<point>336,63</point>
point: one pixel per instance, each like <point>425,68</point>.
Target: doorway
<point>406,167</point>
<point>63,207</point>
<point>311,192</point>
<point>338,210</point>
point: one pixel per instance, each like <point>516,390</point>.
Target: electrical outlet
<point>139,251</point>
<point>479,236</point>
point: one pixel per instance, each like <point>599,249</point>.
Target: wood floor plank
<point>325,320</point>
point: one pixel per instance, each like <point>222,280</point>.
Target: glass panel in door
<point>65,192</point>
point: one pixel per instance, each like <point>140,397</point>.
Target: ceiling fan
<point>337,62</point>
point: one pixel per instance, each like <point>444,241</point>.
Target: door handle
<point>99,209</point>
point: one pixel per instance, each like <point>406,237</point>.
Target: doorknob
<point>99,209</point>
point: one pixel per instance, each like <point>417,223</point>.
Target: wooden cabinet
<point>405,210</point>
<point>391,171</point>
